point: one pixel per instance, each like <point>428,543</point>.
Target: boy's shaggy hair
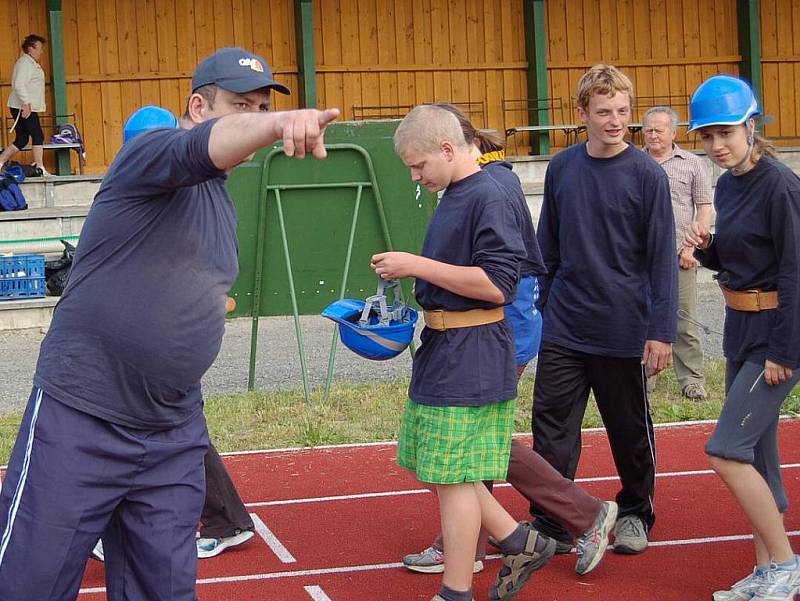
<point>604,80</point>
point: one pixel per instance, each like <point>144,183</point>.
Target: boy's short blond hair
<point>424,129</point>
<point>605,80</point>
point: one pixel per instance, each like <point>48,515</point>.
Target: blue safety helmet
<point>145,118</point>
<point>371,328</point>
<point>721,100</point>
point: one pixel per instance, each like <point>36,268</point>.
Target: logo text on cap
<point>253,63</point>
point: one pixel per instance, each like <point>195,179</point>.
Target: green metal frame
<point>749,22</point>
<point>306,63</point>
<point>58,75</point>
<point>276,189</point>
<point>536,54</point>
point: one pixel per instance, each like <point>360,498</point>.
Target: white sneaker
<point>97,552</point>
<point>211,547</point>
<point>745,589</point>
<point>781,583</point>
<point>45,172</point>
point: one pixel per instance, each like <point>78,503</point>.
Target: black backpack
<point>11,197</point>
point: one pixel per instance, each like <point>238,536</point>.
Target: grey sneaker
<point>211,547</point>
<point>517,569</point>
<point>630,536</point>
<point>593,543</point>
<point>780,583</point>
<point>431,561</point>
<point>743,590</point>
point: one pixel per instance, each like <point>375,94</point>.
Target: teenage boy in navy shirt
<point>457,427</point>
<point>609,301</point>
<point>113,437</point>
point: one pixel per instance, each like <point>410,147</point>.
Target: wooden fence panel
<point>122,54</point>
<point>666,47</point>
<point>780,57</point>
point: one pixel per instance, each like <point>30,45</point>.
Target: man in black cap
<point>114,436</point>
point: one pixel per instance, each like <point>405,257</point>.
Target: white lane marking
<point>393,443</point>
<point>393,566</point>
<point>421,491</point>
<point>316,593</point>
<point>272,540</point>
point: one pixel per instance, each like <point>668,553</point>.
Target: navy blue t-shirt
<point>143,314</point>
<point>757,245</point>
<point>607,236</point>
<point>473,225</point>
<point>501,171</point>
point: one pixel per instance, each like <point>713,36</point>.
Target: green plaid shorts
<point>450,445</point>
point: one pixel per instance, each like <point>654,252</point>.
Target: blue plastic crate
<point>21,276</point>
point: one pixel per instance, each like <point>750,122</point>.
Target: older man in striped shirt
<point>690,188</point>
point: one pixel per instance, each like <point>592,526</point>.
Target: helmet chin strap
<point>740,168</point>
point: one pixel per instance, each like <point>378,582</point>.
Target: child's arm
<point>468,281</point>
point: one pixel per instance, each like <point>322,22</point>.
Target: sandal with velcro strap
<point>518,568</point>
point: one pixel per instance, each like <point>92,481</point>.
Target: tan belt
<point>749,300</point>
<point>447,320</point>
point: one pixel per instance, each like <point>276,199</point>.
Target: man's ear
<point>583,114</point>
<point>196,108</point>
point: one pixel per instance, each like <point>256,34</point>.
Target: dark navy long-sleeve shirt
<point>143,314</point>
<point>473,225</point>
<point>607,237</point>
<point>757,246</point>
<point>501,171</point>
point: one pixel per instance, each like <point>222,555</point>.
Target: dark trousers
<point>71,477</point>
<point>224,513</point>
<point>564,378</point>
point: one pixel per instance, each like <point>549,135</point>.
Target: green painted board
<point>318,211</point>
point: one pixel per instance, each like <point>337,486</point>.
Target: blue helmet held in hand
<point>146,118</point>
<point>721,100</point>
<point>371,328</point>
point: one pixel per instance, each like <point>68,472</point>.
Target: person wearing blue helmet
<point>147,118</point>
<point>113,437</point>
<point>755,251</point>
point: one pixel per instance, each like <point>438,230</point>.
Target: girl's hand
<point>776,374</point>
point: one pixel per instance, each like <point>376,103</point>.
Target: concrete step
<point>27,313</point>
<point>60,191</point>
<point>38,230</point>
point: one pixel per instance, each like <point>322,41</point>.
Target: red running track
<point>341,518</point>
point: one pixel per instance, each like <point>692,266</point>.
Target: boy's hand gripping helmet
<point>372,328</point>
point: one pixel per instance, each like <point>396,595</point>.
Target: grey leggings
<point>747,429</point>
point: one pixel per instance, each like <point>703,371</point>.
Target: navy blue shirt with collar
<point>757,246</point>
<point>473,225</point>
<point>143,314</point>
<point>607,236</point>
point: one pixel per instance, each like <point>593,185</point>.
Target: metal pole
<point>332,355</point>
<point>295,311</point>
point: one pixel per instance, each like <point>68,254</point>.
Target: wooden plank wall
<point>399,53</point>
<point>780,59</point>
<point>122,54</point>
<point>666,47</point>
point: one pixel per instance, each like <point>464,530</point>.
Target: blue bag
<point>17,172</point>
<point>11,197</point>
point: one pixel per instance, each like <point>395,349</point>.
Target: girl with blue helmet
<point>756,252</point>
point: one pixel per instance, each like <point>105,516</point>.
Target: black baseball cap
<point>237,71</point>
